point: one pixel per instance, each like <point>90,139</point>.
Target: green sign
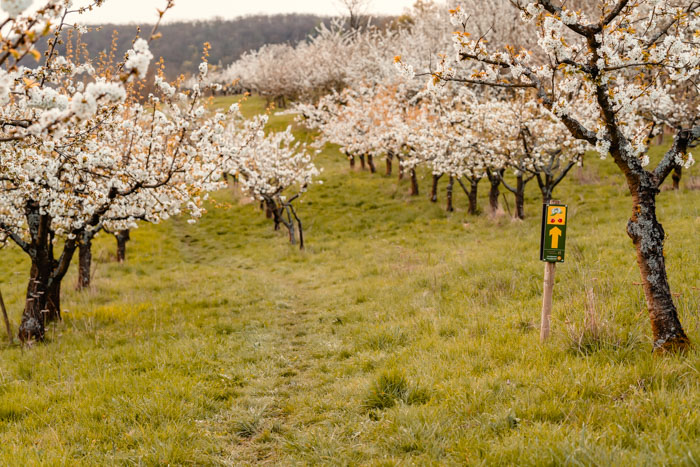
<point>553,242</point>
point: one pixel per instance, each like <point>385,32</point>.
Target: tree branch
<point>668,163</point>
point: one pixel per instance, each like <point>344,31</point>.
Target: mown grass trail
<point>403,335</point>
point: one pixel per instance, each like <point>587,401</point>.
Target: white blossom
<point>14,8</point>
<point>138,59</point>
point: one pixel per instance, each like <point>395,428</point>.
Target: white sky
<point>140,11</point>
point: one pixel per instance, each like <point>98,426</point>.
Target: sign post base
<point>545,326</point>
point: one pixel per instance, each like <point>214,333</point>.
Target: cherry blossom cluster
<point>642,52</point>
<point>266,164</point>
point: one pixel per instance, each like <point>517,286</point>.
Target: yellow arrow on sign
<point>555,233</point>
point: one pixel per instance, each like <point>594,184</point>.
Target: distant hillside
<point>181,44</point>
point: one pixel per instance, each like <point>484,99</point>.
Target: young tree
<point>267,167</point>
<point>593,73</point>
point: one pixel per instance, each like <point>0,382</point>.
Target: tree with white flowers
<point>175,143</point>
<point>81,157</point>
<point>594,71</point>
<point>267,167</point>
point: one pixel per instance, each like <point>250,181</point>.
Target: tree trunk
<point>389,165</point>
<point>520,198</point>
<point>400,168</point>
<point>8,326</point>
<point>352,161</point>
<point>123,236</point>
<point>43,303</point>
<point>290,228</point>
<point>362,162</point>
<point>494,192</point>
<point>434,189</point>
<point>546,186</point>
<point>53,303</point>
<point>676,177</point>
<point>277,212</point>
<point>450,190</point>
<point>546,196</point>
<point>648,238</point>
<point>473,196</point>
<point>370,162</point>
<point>414,183</point>
<point>84,261</point>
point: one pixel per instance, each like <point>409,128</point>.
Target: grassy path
<point>401,336</point>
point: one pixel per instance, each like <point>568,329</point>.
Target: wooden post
<point>549,269</point>
<point>7,320</point>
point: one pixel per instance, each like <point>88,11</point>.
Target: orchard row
<point>84,151</point>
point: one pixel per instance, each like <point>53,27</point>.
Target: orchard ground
<point>403,334</point>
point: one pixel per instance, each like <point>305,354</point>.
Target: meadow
<point>402,335</point>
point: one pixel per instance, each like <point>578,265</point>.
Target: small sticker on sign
<point>556,215</point>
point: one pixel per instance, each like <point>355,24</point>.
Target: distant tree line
<point>181,42</point>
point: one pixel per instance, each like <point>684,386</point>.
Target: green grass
<point>403,335</point>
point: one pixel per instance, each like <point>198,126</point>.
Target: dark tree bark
<point>6,319</point>
<point>290,227</point>
<point>85,261</point>
<point>519,192</point>
<point>389,164</point>
<point>302,246</point>
<point>520,198</point>
<point>414,183</point>
<point>548,180</point>
<point>43,301</point>
<point>362,162</point>
<point>495,178</point>
<point>676,177</point>
<point>276,211</point>
<point>450,189</point>
<point>370,163</point>
<point>352,161</point>
<point>546,192</point>
<point>38,308</point>
<point>434,188</point>
<point>472,194</point>
<point>401,169</point>
<point>122,236</point>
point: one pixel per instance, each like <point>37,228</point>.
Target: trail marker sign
<point>553,241</point>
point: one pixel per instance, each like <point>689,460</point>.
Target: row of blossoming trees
<point>81,152</point>
<point>455,133</point>
<point>517,90</point>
